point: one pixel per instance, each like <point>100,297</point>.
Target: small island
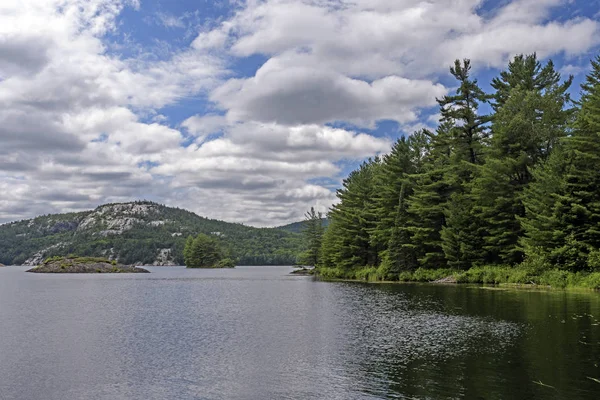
<point>204,251</point>
<point>84,265</point>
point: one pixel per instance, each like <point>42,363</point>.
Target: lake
<point>259,333</point>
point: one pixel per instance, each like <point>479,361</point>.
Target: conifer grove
<point>509,180</point>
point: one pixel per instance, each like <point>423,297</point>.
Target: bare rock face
<point>83,265</point>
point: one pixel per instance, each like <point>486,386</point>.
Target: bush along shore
<point>83,265</point>
<point>527,276</point>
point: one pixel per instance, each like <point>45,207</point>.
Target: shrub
<point>226,263</point>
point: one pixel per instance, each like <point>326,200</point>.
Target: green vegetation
<point>496,275</point>
<point>313,237</point>
<point>509,197</point>
<point>205,251</point>
<point>76,264</point>
<point>131,236</point>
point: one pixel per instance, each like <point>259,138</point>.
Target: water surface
<point>258,333</point>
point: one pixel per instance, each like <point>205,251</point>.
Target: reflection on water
<point>257,333</point>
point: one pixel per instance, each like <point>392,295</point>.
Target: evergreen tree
<point>331,245</point>
<point>313,237</point>
<point>353,219</point>
<point>426,205</point>
<point>203,251</point>
<point>470,129</point>
<point>400,255</point>
<point>572,230</point>
<point>460,234</point>
<point>525,72</point>
<point>531,116</point>
<point>406,158</point>
<point>540,225</point>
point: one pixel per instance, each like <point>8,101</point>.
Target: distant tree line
<point>519,185</point>
<point>58,235</point>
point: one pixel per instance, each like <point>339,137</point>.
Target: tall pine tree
<point>572,230</point>
<point>532,114</point>
<point>461,237</point>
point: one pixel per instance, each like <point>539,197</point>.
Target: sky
<point>248,111</point>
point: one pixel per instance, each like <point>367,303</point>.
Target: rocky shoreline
<point>84,265</point>
<point>303,272</point>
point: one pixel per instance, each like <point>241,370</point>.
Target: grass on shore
<point>521,275</point>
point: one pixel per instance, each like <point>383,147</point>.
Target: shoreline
<point>490,277</point>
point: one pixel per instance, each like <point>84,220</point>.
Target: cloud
<point>365,61</point>
<point>201,126</point>
<point>299,94</point>
<point>82,124</point>
<point>413,39</point>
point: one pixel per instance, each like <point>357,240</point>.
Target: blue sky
<point>245,110</point>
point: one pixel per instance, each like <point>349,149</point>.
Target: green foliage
<point>203,251</point>
<point>226,263</point>
<point>347,240</point>
<point>62,234</point>
<point>563,203</point>
<point>511,197</point>
<point>488,275</point>
<point>313,236</point>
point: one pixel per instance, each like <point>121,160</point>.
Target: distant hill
<point>140,233</point>
<point>297,227</point>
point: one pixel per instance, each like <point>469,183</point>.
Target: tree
<point>313,237</point>
<point>405,158</point>
<point>425,206</point>
<point>352,220</point>
<point>203,251</point>
<point>468,136</point>
<point>400,255</point>
<point>570,234</point>
<point>470,129</point>
<point>532,114</point>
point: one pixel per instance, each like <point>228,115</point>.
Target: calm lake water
<point>258,333</point>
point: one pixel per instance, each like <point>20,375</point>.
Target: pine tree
<point>313,237</point>
<point>400,255</point>
<point>540,225</point>
<point>470,129</point>
<point>354,218</point>
<point>525,72</point>
<point>461,239</point>
<point>572,229</point>
<point>426,204</point>
<point>531,116</point>
<point>405,158</point>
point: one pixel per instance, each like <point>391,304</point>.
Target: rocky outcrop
<point>448,279</point>
<point>2,265</point>
<point>83,265</point>
<point>164,258</point>
<point>303,271</point>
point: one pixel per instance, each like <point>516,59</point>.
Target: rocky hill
<point>142,233</point>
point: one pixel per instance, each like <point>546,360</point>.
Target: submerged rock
<point>84,265</point>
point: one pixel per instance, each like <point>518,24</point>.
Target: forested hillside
<point>518,187</point>
<point>140,232</point>
<point>300,226</point>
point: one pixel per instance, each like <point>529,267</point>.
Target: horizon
<point>246,112</point>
